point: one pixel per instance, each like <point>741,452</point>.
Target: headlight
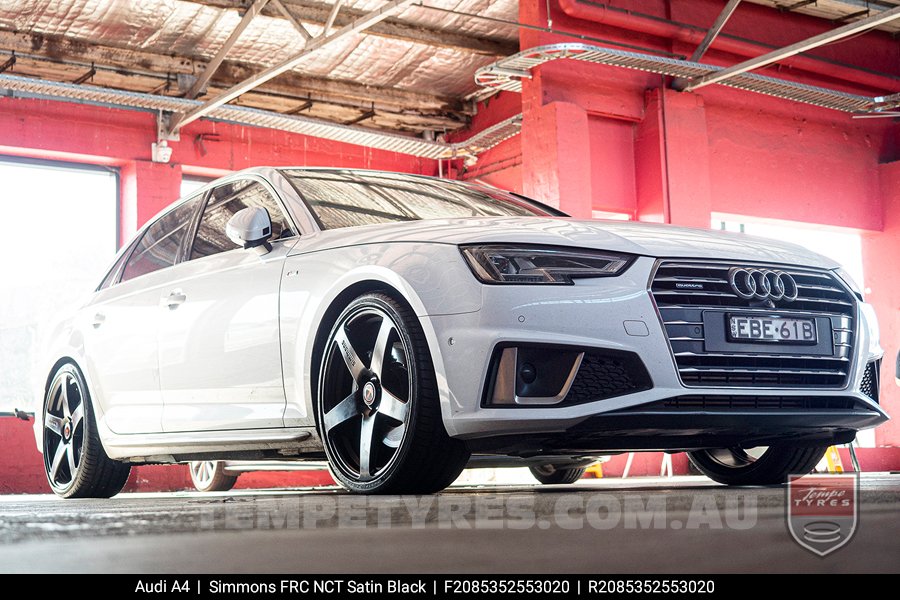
<point>501,263</point>
<point>848,280</point>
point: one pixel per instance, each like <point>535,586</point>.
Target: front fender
<point>63,343</point>
<point>432,278</point>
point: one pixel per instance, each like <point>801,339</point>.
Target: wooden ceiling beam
<point>308,12</point>
<point>293,84</point>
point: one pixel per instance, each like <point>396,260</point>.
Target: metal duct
<point>507,74</point>
<point>242,115</point>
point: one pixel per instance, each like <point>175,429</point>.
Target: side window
<point>224,202</point>
<point>159,245</point>
<point>113,274</point>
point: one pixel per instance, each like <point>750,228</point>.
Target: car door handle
<point>175,299</point>
<point>99,318</point>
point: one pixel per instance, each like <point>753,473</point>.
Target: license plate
<point>743,328</point>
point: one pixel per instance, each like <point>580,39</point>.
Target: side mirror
<point>251,228</point>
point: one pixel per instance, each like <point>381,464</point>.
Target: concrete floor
<point>590,527</point>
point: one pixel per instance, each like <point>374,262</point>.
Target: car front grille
<point>684,290</point>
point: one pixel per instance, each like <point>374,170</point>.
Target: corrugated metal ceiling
<point>196,30</point>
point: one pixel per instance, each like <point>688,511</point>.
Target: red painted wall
<point>500,166</point>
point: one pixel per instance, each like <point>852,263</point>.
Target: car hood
<point>647,239</point>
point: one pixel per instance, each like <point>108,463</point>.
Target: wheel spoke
<point>366,446</point>
<point>381,347</point>
<point>77,415</point>
<point>394,436</point>
<point>391,406</point>
<point>70,455</point>
<point>344,410</point>
<point>351,358</point>
<point>53,423</point>
<point>64,396</point>
<point>57,461</point>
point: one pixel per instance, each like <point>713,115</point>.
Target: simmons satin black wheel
<point>378,408</point>
<point>209,476</point>
<point>764,465</point>
<point>74,460</point>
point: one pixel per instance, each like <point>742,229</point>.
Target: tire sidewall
<point>767,468</point>
<point>360,304</point>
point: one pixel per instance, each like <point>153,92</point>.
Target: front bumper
<point>617,314</point>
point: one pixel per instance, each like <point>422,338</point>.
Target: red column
<point>672,160</point>
<point>556,158</point>
<point>880,250</point>
<point>651,191</point>
<point>687,159</point>
<point>146,189</point>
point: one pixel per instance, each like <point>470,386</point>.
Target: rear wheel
<point>552,474</point>
<point>74,460</point>
<point>378,408</point>
<point>764,465</point>
<point>209,476</point>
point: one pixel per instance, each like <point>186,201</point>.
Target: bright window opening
<point>59,234</point>
<point>841,245</point>
<point>610,216</point>
<point>189,184</point>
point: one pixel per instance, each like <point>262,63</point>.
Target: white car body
<point>213,358</point>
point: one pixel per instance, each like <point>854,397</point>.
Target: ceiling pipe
<point>624,19</point>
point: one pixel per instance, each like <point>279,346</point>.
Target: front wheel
<point>74,460</point>
<point>378,408</point>
<point>551,474</point>
<point>769,465</point>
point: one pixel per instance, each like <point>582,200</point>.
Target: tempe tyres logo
<point>823,510</point>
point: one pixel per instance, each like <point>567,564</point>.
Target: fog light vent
<point>532,375</point>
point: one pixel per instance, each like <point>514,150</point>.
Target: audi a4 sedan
<point>402,327</point>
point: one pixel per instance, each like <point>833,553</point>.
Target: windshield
<point>352,198</point>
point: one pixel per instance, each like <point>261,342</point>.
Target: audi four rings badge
<point>762,284</point>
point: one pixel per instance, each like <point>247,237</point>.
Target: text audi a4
<point>402,326</point>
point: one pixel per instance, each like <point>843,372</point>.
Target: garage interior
<point>774,117</point>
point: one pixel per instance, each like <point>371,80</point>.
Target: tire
<point>75,463</point>
<point>552,475</point>
<point>209,476</point>
<point>766,466</point>
<point>378,410</point>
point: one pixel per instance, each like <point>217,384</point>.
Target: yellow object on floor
<point>834,460</point>
<point>595,470</point>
